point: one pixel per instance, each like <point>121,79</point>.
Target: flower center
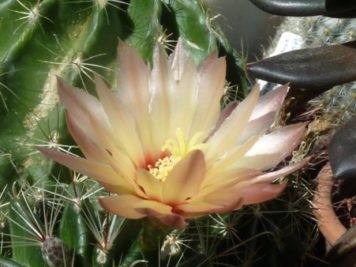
<point>177,149</point>
<point>163,167</point>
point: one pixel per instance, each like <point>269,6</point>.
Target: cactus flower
<point>163,149</point>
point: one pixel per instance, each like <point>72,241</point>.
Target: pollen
<point>177,149</point>
<point>163,167</point>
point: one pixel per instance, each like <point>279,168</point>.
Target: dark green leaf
<point>331,8</point>
<point>146,28</point>
<point>292,7</point>
<point>194,27</point>
<point>314,68</point>
<point>342,155</point>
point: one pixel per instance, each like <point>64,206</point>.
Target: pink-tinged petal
<point>102,173</point>
<point>208,62</point>
<point>133,207</point>
<point>271,176</point>
<point>225,113</point>
<point>185,90</point>
<point>217,202</point>
<point>195,207</point>
<point>95,153</point>
<point>177,60</point>
<point>165,217</point>
<point>230,158</point>
<point>211,88</point>
<point>257,126</point>
<point>260,188</point>
<point>123,205</point>
<point>230,130</point>
<point>84,107</point>
<point>150,185</point>
<point>121,121</point>
<point>260,192</point>
<point>185,178</point>
<point>219,180</point>
<point>113,157</point>
<point>133,80</point>
<point>133,76</point>
<point>175,221</point>
<point>91,150</point>
<point>229,198</point>
<point>86,111</point>
<point>272,148</point>
<point>159,85</point>
<point>270,102</point>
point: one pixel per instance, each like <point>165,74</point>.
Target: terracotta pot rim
<point>329,224</point>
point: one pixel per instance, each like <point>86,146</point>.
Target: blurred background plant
<point>49,215</point>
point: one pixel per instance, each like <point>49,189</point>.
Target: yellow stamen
<point>177,147</point>
<point>163,167</point>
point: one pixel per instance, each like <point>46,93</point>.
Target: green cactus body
<point>45,211</point>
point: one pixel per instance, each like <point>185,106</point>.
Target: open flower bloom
<point>162,147</point>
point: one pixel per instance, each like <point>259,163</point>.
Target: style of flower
<point>163,149</point>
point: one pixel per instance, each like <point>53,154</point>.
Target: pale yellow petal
<point>150,185</point>
<point>86,111</point>
<point>99,154</point>
<point>184,102</point>
<point>258,126</point>
<point>123,205</point>
<point>211,88</point>
<point>185,178</point>
<point>271,176</point>
<point>230,130</point>
<point>123,125</point>
<point>133,76</point>
<point>226,178</point>
<point>89,148</point>
<point>217,202</point>
<point>119,162</point>
<point>101,172</point>
<point>133,85</point>
<point>130,206</point>
<point>230,158</point>
<point>159,85</point>
<point>260,188</point>
<point>260,192</point>
<point>178,60</point>
<point>84,107</point>
<point>228,198</point>
<point>226,112</point>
